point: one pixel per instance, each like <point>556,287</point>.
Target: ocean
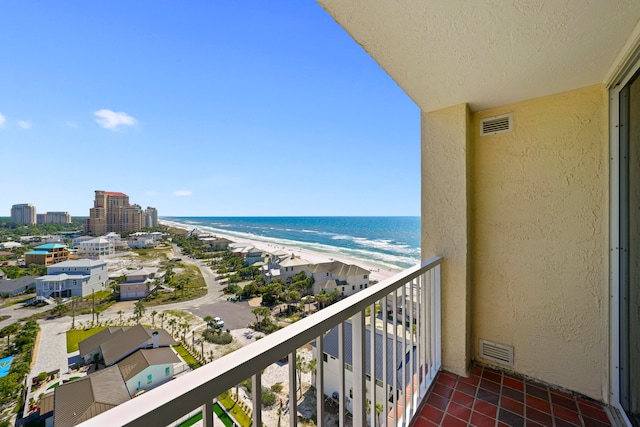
<point>389,242</point>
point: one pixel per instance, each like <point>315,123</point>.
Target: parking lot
<point>236,315</point>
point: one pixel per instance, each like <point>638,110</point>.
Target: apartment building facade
<point>24,213</point>
<point>73,278</point>
<point>112,212</point>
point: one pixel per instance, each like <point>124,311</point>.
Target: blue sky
<point>200,108</point>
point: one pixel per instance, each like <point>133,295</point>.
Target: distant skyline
<point>200,109</point>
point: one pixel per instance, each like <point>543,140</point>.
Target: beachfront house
<point>346,278</point>
<point>529,179</point>
<point>215,243</point>
<point>73,278</point>
<point>148,368</point>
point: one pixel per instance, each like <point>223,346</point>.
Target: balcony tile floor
<point>493,398</point>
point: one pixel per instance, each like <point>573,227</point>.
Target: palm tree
<point>210,355</point>
<point>173,322</point>
<point>209,321</point>
<point>162,317</point>
<point>312,366</point>
<point>300,365</point>
<point>153,315</point>
<point>185,328</point>
<point>379,409</point>
<point>120,313</point>
<point>9,330</point>
<point>139,310</point>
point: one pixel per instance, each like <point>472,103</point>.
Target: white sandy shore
<point>377,273</point>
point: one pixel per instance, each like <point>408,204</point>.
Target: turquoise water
<point>391,242</point>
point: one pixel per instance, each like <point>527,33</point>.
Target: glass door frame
<point>616,261</point>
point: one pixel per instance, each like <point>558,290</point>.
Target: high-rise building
<point>150,217</point>
<point>41,218</point>
<point>24,213</point>
<point>57,218</point>
<point>112,212</point>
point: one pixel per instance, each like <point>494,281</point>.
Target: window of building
<point>167,371</point>
<point>353,287</point>
<point>149,379</point>
<point>364,277</point>
<point>361,286</point>
<point>324,357</point>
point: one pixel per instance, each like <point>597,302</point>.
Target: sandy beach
<point>377,273</point>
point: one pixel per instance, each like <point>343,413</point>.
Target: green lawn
<point>235,410</point>
<point>188,358</point>
<point>74,336</point>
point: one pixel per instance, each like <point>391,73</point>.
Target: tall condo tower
<point>111,211</point>
<point>24,213</point>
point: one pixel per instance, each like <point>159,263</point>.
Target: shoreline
<point>377,272</point>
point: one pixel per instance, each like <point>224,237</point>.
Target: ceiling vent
<point>496,352</point>
<point>498,124</point>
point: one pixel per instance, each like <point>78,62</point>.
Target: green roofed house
<point>47,254</point>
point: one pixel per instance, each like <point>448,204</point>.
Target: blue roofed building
<point>47,254</point>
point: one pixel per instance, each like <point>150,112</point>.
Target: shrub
<point>268,397</point>
<point>216,337</point>
<point>276,388</point>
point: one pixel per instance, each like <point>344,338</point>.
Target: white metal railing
<point>405,308</point>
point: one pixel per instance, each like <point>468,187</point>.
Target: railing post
<point>256,396</point>
<point>293,390</point>
<point>358,406</point>
<point>207,414</point>
<point>341,387</point>
<point>320,380</point>
<point>372,363</point>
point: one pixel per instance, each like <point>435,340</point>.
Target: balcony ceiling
<point>488,53</point>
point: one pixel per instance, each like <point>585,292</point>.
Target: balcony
<point>405,307</point>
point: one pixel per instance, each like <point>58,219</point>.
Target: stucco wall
<point>540,238</point>
<point>446,197</point>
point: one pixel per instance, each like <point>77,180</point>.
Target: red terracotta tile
<point>476,370</point>
<point>560,393</point>
<point>563,401</point>
<point>450,421</point>
<point>466,388</point>
<point>446,379</point>
<point>513,394</point>
<point>492,375</point>
<point>530,423</point>
<point>515,384</point>
<point>566,414</point>
<point>437,401</point>
<point>503,424</point>
<point>490,385</point>
<point>423,422</point>
<point>591,412</point>
<point>473,380</point>
<point>593,404</point>
<point>562,423</point>
<point>488,396</point>
<point>590,422</point>
<point>486,408</point>
<point>481,420</point>
<point>432,414</point>
<point>442,390</point>
<point>536,391</point>
<point>537,416</point>
<point>510,419</point>
<point>512,405</point>
<point>539,404</point>
<point>459,411</point>
<point>462,398</point>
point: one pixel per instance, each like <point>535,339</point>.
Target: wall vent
<point>498,124</point>
<point>496,352</point>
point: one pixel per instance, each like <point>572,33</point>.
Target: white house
<point>139,242</point>
<point>10,245</point>
<point>75,242</point>
<point>96,248</point>
<point>331,365</point>
<point>72,278</point>
<point>148,368</point>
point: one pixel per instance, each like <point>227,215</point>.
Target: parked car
<point>218,322</point>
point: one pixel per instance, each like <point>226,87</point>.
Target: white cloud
<point>2,120</point>
<point>111,120</point>
<point>24,124</point>
<point>182,193</point>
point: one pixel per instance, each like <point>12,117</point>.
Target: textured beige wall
<point>445,232</point>
<point>540,238</point>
